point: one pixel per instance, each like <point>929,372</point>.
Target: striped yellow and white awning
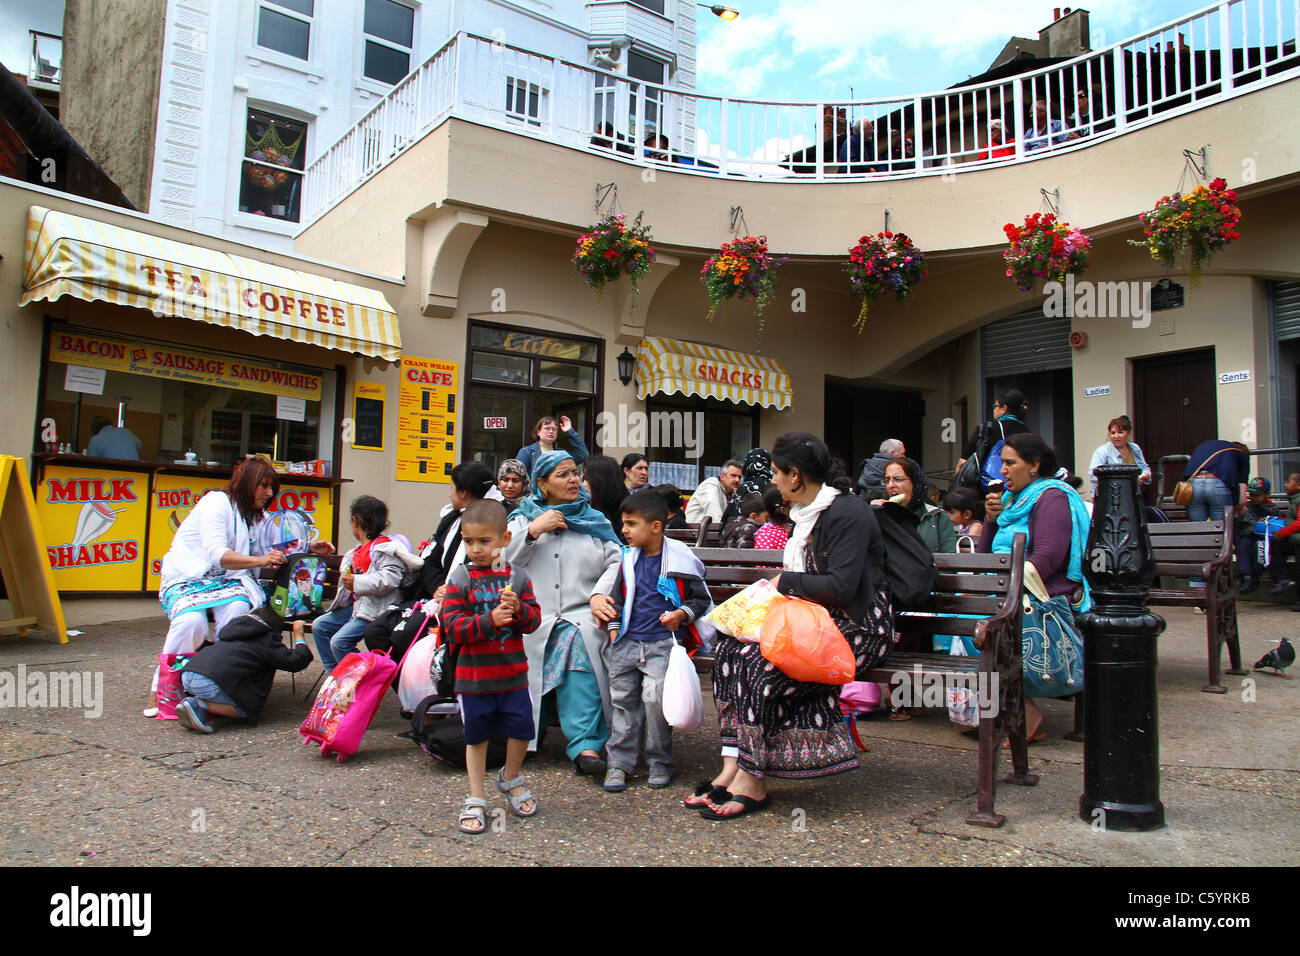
<point>670,365</point>
<point>91,260</point>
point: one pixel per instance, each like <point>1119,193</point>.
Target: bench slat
<point>965,604</point>
<point>914,623</point>
<point>1162,542</point>
<point>966,583</point>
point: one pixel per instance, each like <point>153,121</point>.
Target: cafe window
<point>176,399</point>
<point>271,174</point>
<point>389,40</point>
<point>285,25</point>
<point>729,430</point>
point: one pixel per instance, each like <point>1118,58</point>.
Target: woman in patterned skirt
<point>773,726</point>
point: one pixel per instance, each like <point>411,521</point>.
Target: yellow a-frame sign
<point>29,581</point>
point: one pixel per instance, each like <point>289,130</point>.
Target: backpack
<point>298,587</point>
<point>909,569</point>
<point>347,702</point>
<point>991,463</point>
<point>436,728</point>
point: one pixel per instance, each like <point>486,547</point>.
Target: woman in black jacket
<point>1009,411</point>
<point>771,724</point>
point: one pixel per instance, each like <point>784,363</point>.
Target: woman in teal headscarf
<point>1055,520</point>
<point>565,545</point>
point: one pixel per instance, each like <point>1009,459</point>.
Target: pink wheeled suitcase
<point>347,702</point>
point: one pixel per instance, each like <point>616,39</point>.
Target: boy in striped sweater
<point>486,611</point>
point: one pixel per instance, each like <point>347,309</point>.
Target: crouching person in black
<point>233,677</point>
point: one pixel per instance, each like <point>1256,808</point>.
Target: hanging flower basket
<point>742,269</point>
<point>264,177</point>
<point>613,249</point>
<point>1196,224</point>
<point>1045,249</point>
<point>885,262</point>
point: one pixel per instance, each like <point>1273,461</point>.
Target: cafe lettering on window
<point>120,355</point>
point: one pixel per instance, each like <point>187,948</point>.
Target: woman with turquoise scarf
<point>566,545</point>
<point>1054,519</point>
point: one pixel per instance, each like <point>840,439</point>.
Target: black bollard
<point>1121,749</point>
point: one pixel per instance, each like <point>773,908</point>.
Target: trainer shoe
<point>189,714</point>
<point>659,781</point>
<point>615,780</point>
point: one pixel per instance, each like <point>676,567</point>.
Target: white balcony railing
<point>1215,53</point>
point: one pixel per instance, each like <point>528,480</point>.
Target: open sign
<point>495,423</point>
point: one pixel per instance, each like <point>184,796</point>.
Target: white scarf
<point>804,518</point>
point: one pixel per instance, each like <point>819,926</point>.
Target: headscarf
<point>513,466</point>
<point>920,486</point>
<point>1016,509</point>
<point>579,515</point>
<point>755,480</point>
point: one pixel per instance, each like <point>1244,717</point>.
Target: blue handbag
<point>1051,646</point>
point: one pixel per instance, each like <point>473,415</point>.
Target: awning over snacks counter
<point>72,255</point>
<point>670,365</point>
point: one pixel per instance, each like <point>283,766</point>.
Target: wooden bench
<point>987,586</point>
<point>1185,549</point>
<point>706,534</point>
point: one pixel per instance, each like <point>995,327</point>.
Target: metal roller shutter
<point>1025,342</point>
<point>1286,309</point>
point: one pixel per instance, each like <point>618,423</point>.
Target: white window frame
<point>276,111</point>
<point>514,84</point>
<point>372,38</point>
<point>293,15</point>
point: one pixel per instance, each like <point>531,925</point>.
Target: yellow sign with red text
<point>174,496</point>
<point>94,525</point>
<point>426,420</point>
<point>187,365</point>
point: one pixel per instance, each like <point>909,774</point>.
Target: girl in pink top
<point>776,532</point>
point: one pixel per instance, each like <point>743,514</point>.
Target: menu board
<point>426,420</point>
<point>94,525</point>
<point>368,400</point>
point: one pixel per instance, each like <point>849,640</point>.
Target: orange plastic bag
<point>800,638</point>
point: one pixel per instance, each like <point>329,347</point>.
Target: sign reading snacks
<point>91,260</point>
<point>122,355</point>
<point>426,420</point>
<point>670,365</point>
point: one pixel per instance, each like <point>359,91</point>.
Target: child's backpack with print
<point>299,587</point>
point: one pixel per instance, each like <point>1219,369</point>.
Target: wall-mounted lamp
<point>626,363</point>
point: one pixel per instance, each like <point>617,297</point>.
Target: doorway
<point>1175,405</point>
<point>858,419</point>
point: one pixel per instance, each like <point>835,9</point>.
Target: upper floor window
<point>657,6</point>
<point>285,25</point>
<point>390,40</point>
<point>47,58</point>
<point>275,151</point>
<point>524,101</point>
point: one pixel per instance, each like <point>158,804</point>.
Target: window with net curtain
<point>270,180</point>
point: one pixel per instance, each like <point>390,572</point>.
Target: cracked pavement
<point>122,790</point>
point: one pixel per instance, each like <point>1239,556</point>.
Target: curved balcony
<point>1200,60</point>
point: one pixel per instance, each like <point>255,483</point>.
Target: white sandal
<point>475,810</point>
<point>516,802</point>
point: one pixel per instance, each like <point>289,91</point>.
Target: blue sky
<point>815,49</point>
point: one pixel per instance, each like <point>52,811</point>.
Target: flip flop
<point>712,795</point>
<point>747,805</point>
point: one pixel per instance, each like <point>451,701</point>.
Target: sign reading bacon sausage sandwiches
<point>139,358</point>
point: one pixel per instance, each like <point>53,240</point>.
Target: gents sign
<point>138,358</point>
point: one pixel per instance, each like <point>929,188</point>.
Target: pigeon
<point>1280,658</point>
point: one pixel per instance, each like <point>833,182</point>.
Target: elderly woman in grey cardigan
<point>566,545</point>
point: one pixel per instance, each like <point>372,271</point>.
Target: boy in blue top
<point>657,590</point>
